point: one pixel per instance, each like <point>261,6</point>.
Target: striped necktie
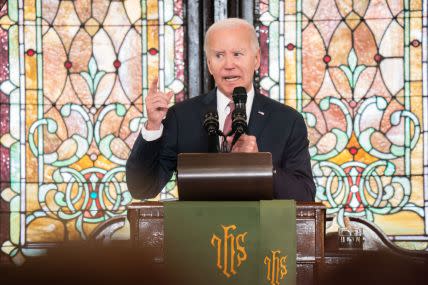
<point>227,127</point>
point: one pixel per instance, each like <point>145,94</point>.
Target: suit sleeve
<point>151,163</point>
<point>293,178</point>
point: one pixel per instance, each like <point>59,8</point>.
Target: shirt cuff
<point>149,135</point>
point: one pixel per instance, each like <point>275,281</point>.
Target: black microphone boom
<point>239,115</point>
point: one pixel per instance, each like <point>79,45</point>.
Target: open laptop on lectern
<point>225,176</point>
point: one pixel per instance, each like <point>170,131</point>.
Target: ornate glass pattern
<point>357,72</point>
<point>73,78</point>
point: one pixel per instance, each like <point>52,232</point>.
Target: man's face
<point>232,59</point>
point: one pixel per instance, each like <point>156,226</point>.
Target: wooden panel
<point>305,238</point>
<point>146,221</point>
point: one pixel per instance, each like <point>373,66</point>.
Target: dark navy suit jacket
<point>279,129</point>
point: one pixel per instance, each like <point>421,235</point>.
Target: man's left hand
<point>246,144</point>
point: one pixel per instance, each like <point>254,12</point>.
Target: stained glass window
<point>73,79</point>
<point>357,72</point>
<point>74,74</point>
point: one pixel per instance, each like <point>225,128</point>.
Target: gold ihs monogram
<point>230,250</point>
<point>276,267</point>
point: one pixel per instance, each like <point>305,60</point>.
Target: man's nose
<point>229,62</point>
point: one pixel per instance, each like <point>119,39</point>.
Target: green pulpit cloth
<point>231,242</point>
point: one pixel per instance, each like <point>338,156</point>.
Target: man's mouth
<point>231,78</point>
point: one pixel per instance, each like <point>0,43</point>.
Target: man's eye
<point>219,55</point>
<point>237,54</point>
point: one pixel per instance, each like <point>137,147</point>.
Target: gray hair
<point>231,23</point>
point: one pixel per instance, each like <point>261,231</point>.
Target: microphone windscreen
<point>239,95</point>
<point>210,123</point>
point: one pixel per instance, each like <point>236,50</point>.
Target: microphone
<point>211,124</point>
<point>239,115</point>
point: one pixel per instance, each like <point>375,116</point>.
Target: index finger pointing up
<point>154,86</point>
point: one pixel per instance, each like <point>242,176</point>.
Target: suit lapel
<point>209,103</point>
<point>259,115</point>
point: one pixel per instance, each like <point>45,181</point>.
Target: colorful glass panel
<point>357,72</point>
<point>73,80</point>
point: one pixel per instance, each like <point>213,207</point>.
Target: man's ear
<point>257,65</point>
<point>209,65</point>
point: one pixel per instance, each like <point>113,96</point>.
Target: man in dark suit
<point>233,55</point>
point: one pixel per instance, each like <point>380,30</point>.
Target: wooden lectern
<point>231,176</point>
<point>225,176</point>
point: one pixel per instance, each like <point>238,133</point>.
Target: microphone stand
<point>224,148</point>
<point>235,139</point>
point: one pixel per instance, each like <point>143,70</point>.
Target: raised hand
<point>156,105</point>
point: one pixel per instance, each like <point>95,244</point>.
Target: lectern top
<point>225,176</point>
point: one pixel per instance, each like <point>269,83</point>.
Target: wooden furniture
<point>375,241</point>
<point>225,176</point>
<point>317,251</point>
<point>146,222</point>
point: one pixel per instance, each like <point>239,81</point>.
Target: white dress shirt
<point>222,110</point>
